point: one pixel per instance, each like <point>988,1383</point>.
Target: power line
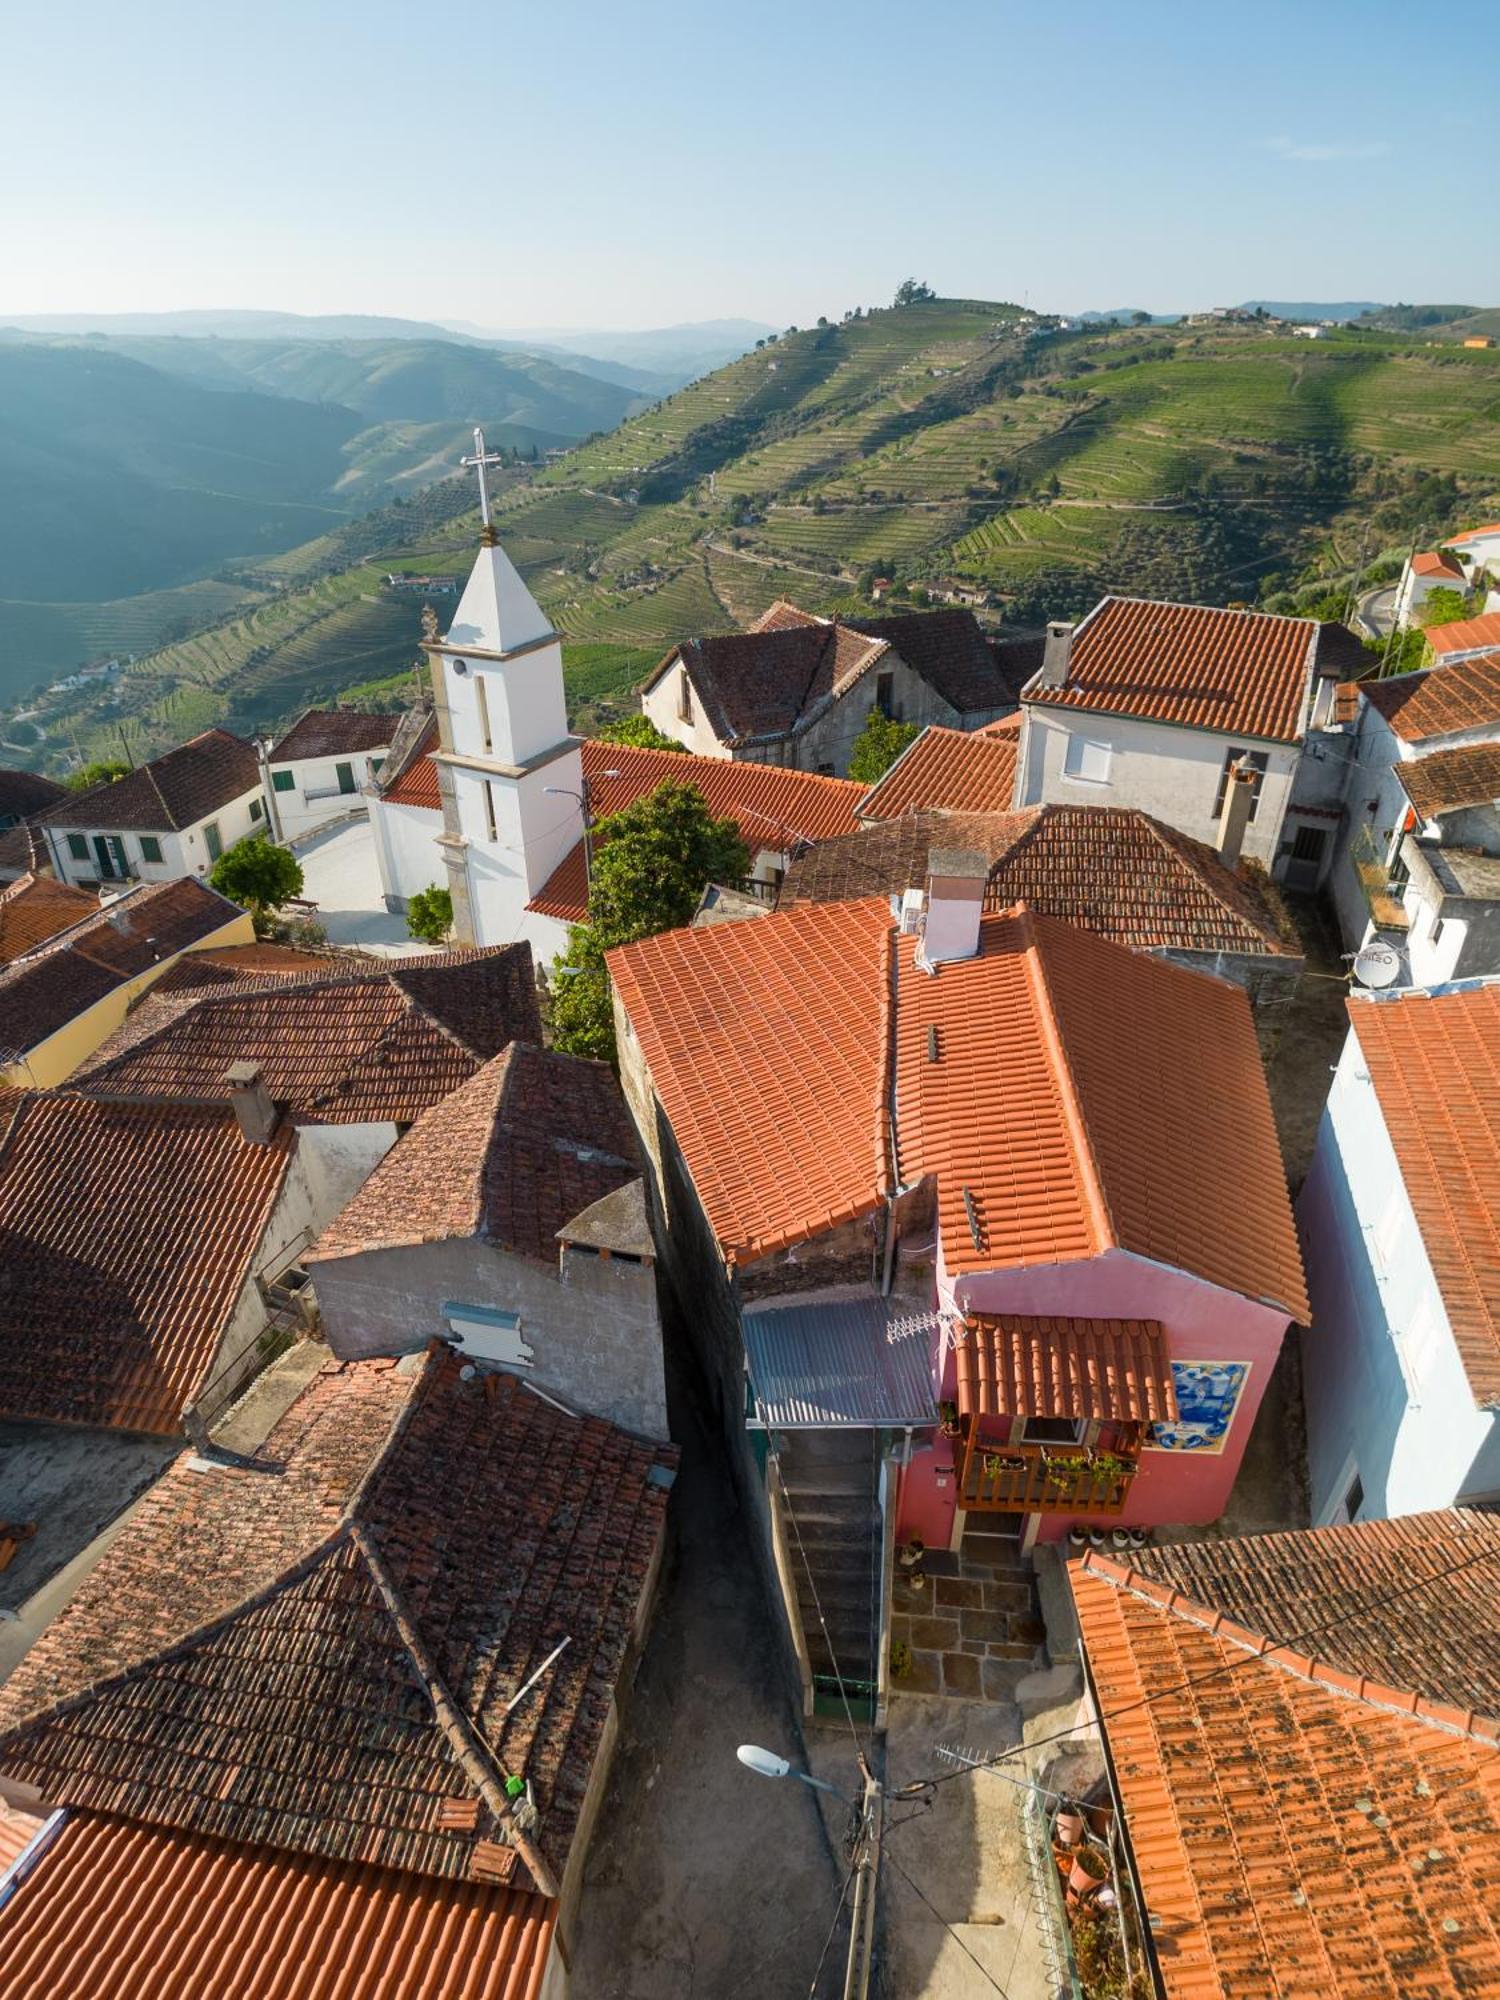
<point>1212,1673</point>
<point>948,1928</point>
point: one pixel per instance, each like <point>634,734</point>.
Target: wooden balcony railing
<point>1045,1479</point>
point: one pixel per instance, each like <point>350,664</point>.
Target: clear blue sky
<point>576,163</point>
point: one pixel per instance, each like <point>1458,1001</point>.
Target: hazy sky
<point>575,163</point>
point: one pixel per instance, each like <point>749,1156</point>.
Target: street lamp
<point>583,800</point>
<point>766,1764</point>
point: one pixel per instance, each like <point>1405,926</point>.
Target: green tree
<point>912,292</point>
<point>104,772</point>
<point>878,745</point>
<point>1442,607</point>
<point>429,914</point>
<point>638,730</point>
<point>652,862</point>
<point>258,875</point>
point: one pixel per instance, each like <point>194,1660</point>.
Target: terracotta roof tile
<point>23,793</point>
<point>949,650</point>
<point>1434,562</point>
<point>128,1231</point>
<point>773,1084</point>
<point>249,1661</point>
<point>1109,869</point>
<point>257,964</point>
<point>347,1050</point>
<point>415,783</point>
<point>1465,635</point>
<point>1439,701</point>
<point>947,768</point>
<point>1434,1059</point>
<point>17,1830</point>
<point>1069,1095</point>
<point>1292,1830</point>
<point>1099,1370</point>
<point>170,793</point>
<point>35,908</point>
<point>1446,780</point>
<point>1238,673</point>
<point>333,732</point>
<point>530,1141</point>
<point>124,1912</point>
<point>776,810</point>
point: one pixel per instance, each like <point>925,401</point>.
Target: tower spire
<point>481,460</point>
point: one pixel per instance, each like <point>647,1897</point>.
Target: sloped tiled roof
<point>17,1830</point>
<point>170,793</point>
<point>1436,562</point>
<point>947,768</point>
<point>1068,1095</point>
<point>1098,1370</point>
<point>948,649</point>
<point>775,809</point>
<point>1434,1060</point>
<point>345,1050</point>
<point>333,732</point>
<point>1449,779</point>
<point>222,966</point>
<point>1439,701</point>
<point>252,1659</point>
<point>118,1911</point>
<point>1112,870</point>
<point>1465,635</point>
<point>1298,1824</point>
<point>415,782</point>
<point>773,1082</point>
<point>527,1143</point>
<point>63,977</point>
<point>126,1234</point>
<point>35,908</point>
<point>1238,673</point>
<point>23,793</point>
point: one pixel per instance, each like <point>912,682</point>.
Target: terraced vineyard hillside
<point>953,441</point>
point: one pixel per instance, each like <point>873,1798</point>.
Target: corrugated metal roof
<point>841,1361</point>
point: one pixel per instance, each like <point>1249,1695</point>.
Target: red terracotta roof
<point>1297,1827</point>
<point>1449,779</point>
<point>224,965</point>
<point>17,1830</point>
<point>1434,1060</point>
<point>1465,635</point>
<point>1114,871</point>
<point>1069,1096</point>
<point>1238,673</point>
<point>1433,562</point>
<point>774,1084</point>
<point>530,1141</point>
<point>129,1231</point>
<point>1098,1370</point>
<point>23,793</point>
<point>172,792</point>
<point>117,1911</point>
<point>35,908</point>
<point>416,783</point>
<point>334,732</point>
<point>254,1657</point>
<point>1476,534</point>
<point>947,768</point>
<point>1439,701</point>
<point>776,810</point>
<point>347,1050</point>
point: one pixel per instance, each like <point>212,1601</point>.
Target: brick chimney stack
<point>252,1102</point>
<point>1234,817</point>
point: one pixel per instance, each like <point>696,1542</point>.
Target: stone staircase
<point>831,1483</point>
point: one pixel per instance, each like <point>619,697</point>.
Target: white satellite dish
<point>1377,964</point>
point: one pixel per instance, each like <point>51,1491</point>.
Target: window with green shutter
<point>256,808</point>
<point>78,847</point>
<point>346,777</point>
<point>150,847</point>
<point>284,781</point>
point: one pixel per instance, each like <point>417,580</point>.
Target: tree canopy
<point>638,730</point>
<point>258,875</point>
<point>1442,607</point>
<point>652,862</point>
<point>103,772</point>
<point>912,292</point>
<point>878,745</point>
<point>429,914</point>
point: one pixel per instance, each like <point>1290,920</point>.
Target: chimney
<point>1239,797</point>
<point>1056,654</point>
<point>955,897</point>
<point>252,1102</point>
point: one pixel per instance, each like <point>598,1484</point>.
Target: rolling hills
<point>944,442</point>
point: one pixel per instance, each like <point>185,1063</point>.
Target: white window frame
<point>1079,752</point>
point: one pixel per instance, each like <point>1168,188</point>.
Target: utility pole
<point>867,1874</point>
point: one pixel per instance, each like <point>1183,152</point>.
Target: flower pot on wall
<point>1067,1826</point>
<point>1090,1868</point>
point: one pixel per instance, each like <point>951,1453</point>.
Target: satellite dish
<point>1377,964</point>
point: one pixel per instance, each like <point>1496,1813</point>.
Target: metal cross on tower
<point>481,460</point>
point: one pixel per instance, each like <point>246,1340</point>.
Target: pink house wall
<point>1203,1323</point>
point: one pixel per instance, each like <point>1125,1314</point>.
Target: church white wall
<point>522,699</point>
<point>406,850</point>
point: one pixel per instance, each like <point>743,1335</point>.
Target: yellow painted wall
<point>51,1062</point>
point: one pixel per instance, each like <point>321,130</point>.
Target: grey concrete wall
<point>592,1325</point>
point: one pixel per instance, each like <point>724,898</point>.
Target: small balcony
<point>1380,888</point>
<point>1046,1478</point>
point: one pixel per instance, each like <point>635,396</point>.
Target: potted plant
<point>948,1419</point>
<point>1109,1465</point>
<point>1067,1826</point>
<point>1090,1868</point>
